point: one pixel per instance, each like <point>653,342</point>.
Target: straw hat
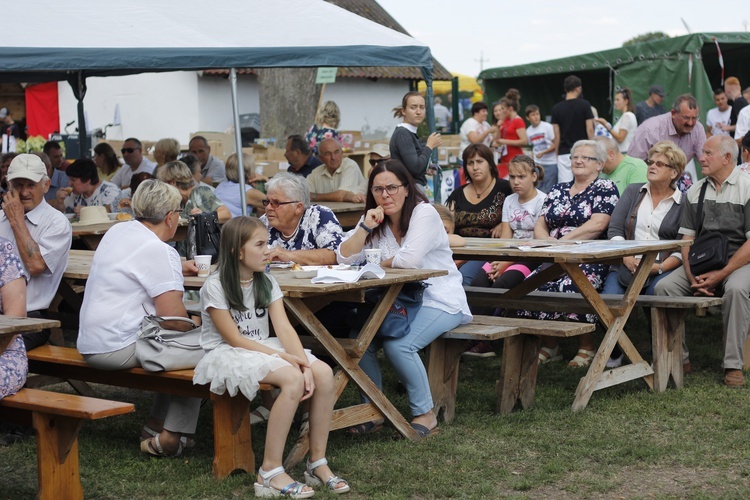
<point>92,215</point>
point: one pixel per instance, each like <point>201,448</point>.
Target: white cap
<point>381,149</point>
<point>27,166</point>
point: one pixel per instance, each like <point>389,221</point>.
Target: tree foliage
<point>645,37</point>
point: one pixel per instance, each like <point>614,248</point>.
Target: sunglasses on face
<point>658,164</point>
<point>375,162</point>
<point>128,150</point>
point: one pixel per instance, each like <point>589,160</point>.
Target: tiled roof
<point>369,9</point>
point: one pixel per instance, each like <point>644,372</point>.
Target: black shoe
<point>16,435</point>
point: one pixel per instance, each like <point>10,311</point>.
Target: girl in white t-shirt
<point>624,130</point>
<point>237,302</point>
<point>520,212</point>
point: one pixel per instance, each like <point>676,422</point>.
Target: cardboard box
<point>271,168</point>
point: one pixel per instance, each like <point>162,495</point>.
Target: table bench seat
<point>518,367</point>
<point>57,419</point>
<point>232,435</point>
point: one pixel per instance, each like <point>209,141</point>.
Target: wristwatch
<point>660,269</point>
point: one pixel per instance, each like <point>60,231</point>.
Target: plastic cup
<point>203,263</point>
<point>372,255</point>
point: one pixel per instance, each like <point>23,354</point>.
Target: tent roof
<point>666,48</point>
<point>137,36</point>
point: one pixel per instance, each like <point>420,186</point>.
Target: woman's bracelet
<point>363,226</point>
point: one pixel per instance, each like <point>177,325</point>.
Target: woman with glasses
<point>478,206</point>
<point>134,272</point>
<point>409,232</point>
<point>298,231</point>
<point>624,130</point>
<point>577,210</point>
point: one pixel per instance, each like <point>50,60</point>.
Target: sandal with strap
<point>583,358</point>
<point>365,428</point>
<point>259,415</point>
<point>155,449</point>
<point>547,355</point>
<point>312,480</point>
<point>150,433</point>
<point>292,490</point>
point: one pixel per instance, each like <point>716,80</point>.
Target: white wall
<point>366,105</point>
<point>176,104</point>
<point>152,105</point>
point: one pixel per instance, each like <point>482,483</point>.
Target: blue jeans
<point>469,269</point>
<point>612,284</point>
<point>550,178</point>
<point>403,354</point>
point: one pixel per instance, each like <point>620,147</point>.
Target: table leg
<point>350,365</point>
<point>615,333</point>
<point>666,344</point>
<point>517,373</point>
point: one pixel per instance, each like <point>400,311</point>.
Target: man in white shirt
<point>718,118</point>
<point>338,178</point>
<point>41,234</point>
<point>442,116</point>
<point>135,162</point>
<point>212,169</point>
<point>743,125</point>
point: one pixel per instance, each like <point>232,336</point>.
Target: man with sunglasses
<point>135,162</point>
<point>378,153</point>
<point>299,155</point>
<point>339,178</point>
<point>680,125</point>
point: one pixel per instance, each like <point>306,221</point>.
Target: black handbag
<point>624,276</point>
<point>710,250</point>
<point>203,235</point>
<point>397,321</point>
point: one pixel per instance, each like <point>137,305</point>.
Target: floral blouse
<point>564,213</point>
<point>478,220</point>
<point>318,228</point>
<point>13,363</point>
<point>316,134</point>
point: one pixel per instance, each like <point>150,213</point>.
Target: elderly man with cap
<point>651,106</point>
<point>41,234</point>
<point>378,153</point>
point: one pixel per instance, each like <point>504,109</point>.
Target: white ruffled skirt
<point>231,369</point>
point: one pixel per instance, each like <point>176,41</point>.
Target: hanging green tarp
<point>685,64</point>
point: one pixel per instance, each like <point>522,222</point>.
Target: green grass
<point>628,443</point>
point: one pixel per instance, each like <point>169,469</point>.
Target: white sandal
<point>312,480</point>
<point>259,415</point>
<point>547,355</point>
<point>583,358</point>
<point>292,490</point>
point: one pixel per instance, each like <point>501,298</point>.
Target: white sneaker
<point>614,362</point>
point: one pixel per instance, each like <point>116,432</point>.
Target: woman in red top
<point>512,135</point>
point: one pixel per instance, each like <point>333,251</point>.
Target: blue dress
<point>564,213</point>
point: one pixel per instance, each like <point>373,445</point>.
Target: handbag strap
<point>161,319</point>
<point>700,208</point>
<point>633,215</point>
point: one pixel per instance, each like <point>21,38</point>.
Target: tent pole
<point>238,139</point>
<point>83,153</point>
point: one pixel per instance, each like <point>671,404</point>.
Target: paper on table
<point>369,271</point>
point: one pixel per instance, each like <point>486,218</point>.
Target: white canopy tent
<point>77,39</point>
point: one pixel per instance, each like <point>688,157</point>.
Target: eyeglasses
<point>276,204</point>
<point>178,211</point>
<point>128,150</point>
<point>658,164</point>
<point>583,158</point>
<point>390,189</point>
<point>375,162</point>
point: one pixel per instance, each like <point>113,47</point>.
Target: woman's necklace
<point>290,236</point>
<point>246,282</point>
<point>479,195</point>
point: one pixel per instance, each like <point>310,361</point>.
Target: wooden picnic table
<point>92,234</point>
<point>348,214</point>
<point>565,257</point>
<point>10,326</point>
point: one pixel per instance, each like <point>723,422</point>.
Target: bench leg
<point>666,343</point>
<point>517,372</point>
<point>443,359</point>
<point>57,456</point>
<point>233,447</point>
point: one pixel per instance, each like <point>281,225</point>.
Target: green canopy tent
<point>685,64</point>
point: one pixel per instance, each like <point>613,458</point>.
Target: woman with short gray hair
<point>137,271</point>
<point>577,210</point>
<point>297,231</point>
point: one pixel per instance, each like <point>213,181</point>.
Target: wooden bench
<point>666,339</point>
<point>232,436</point>
<point>57,419</point>
<point>518,367</point>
